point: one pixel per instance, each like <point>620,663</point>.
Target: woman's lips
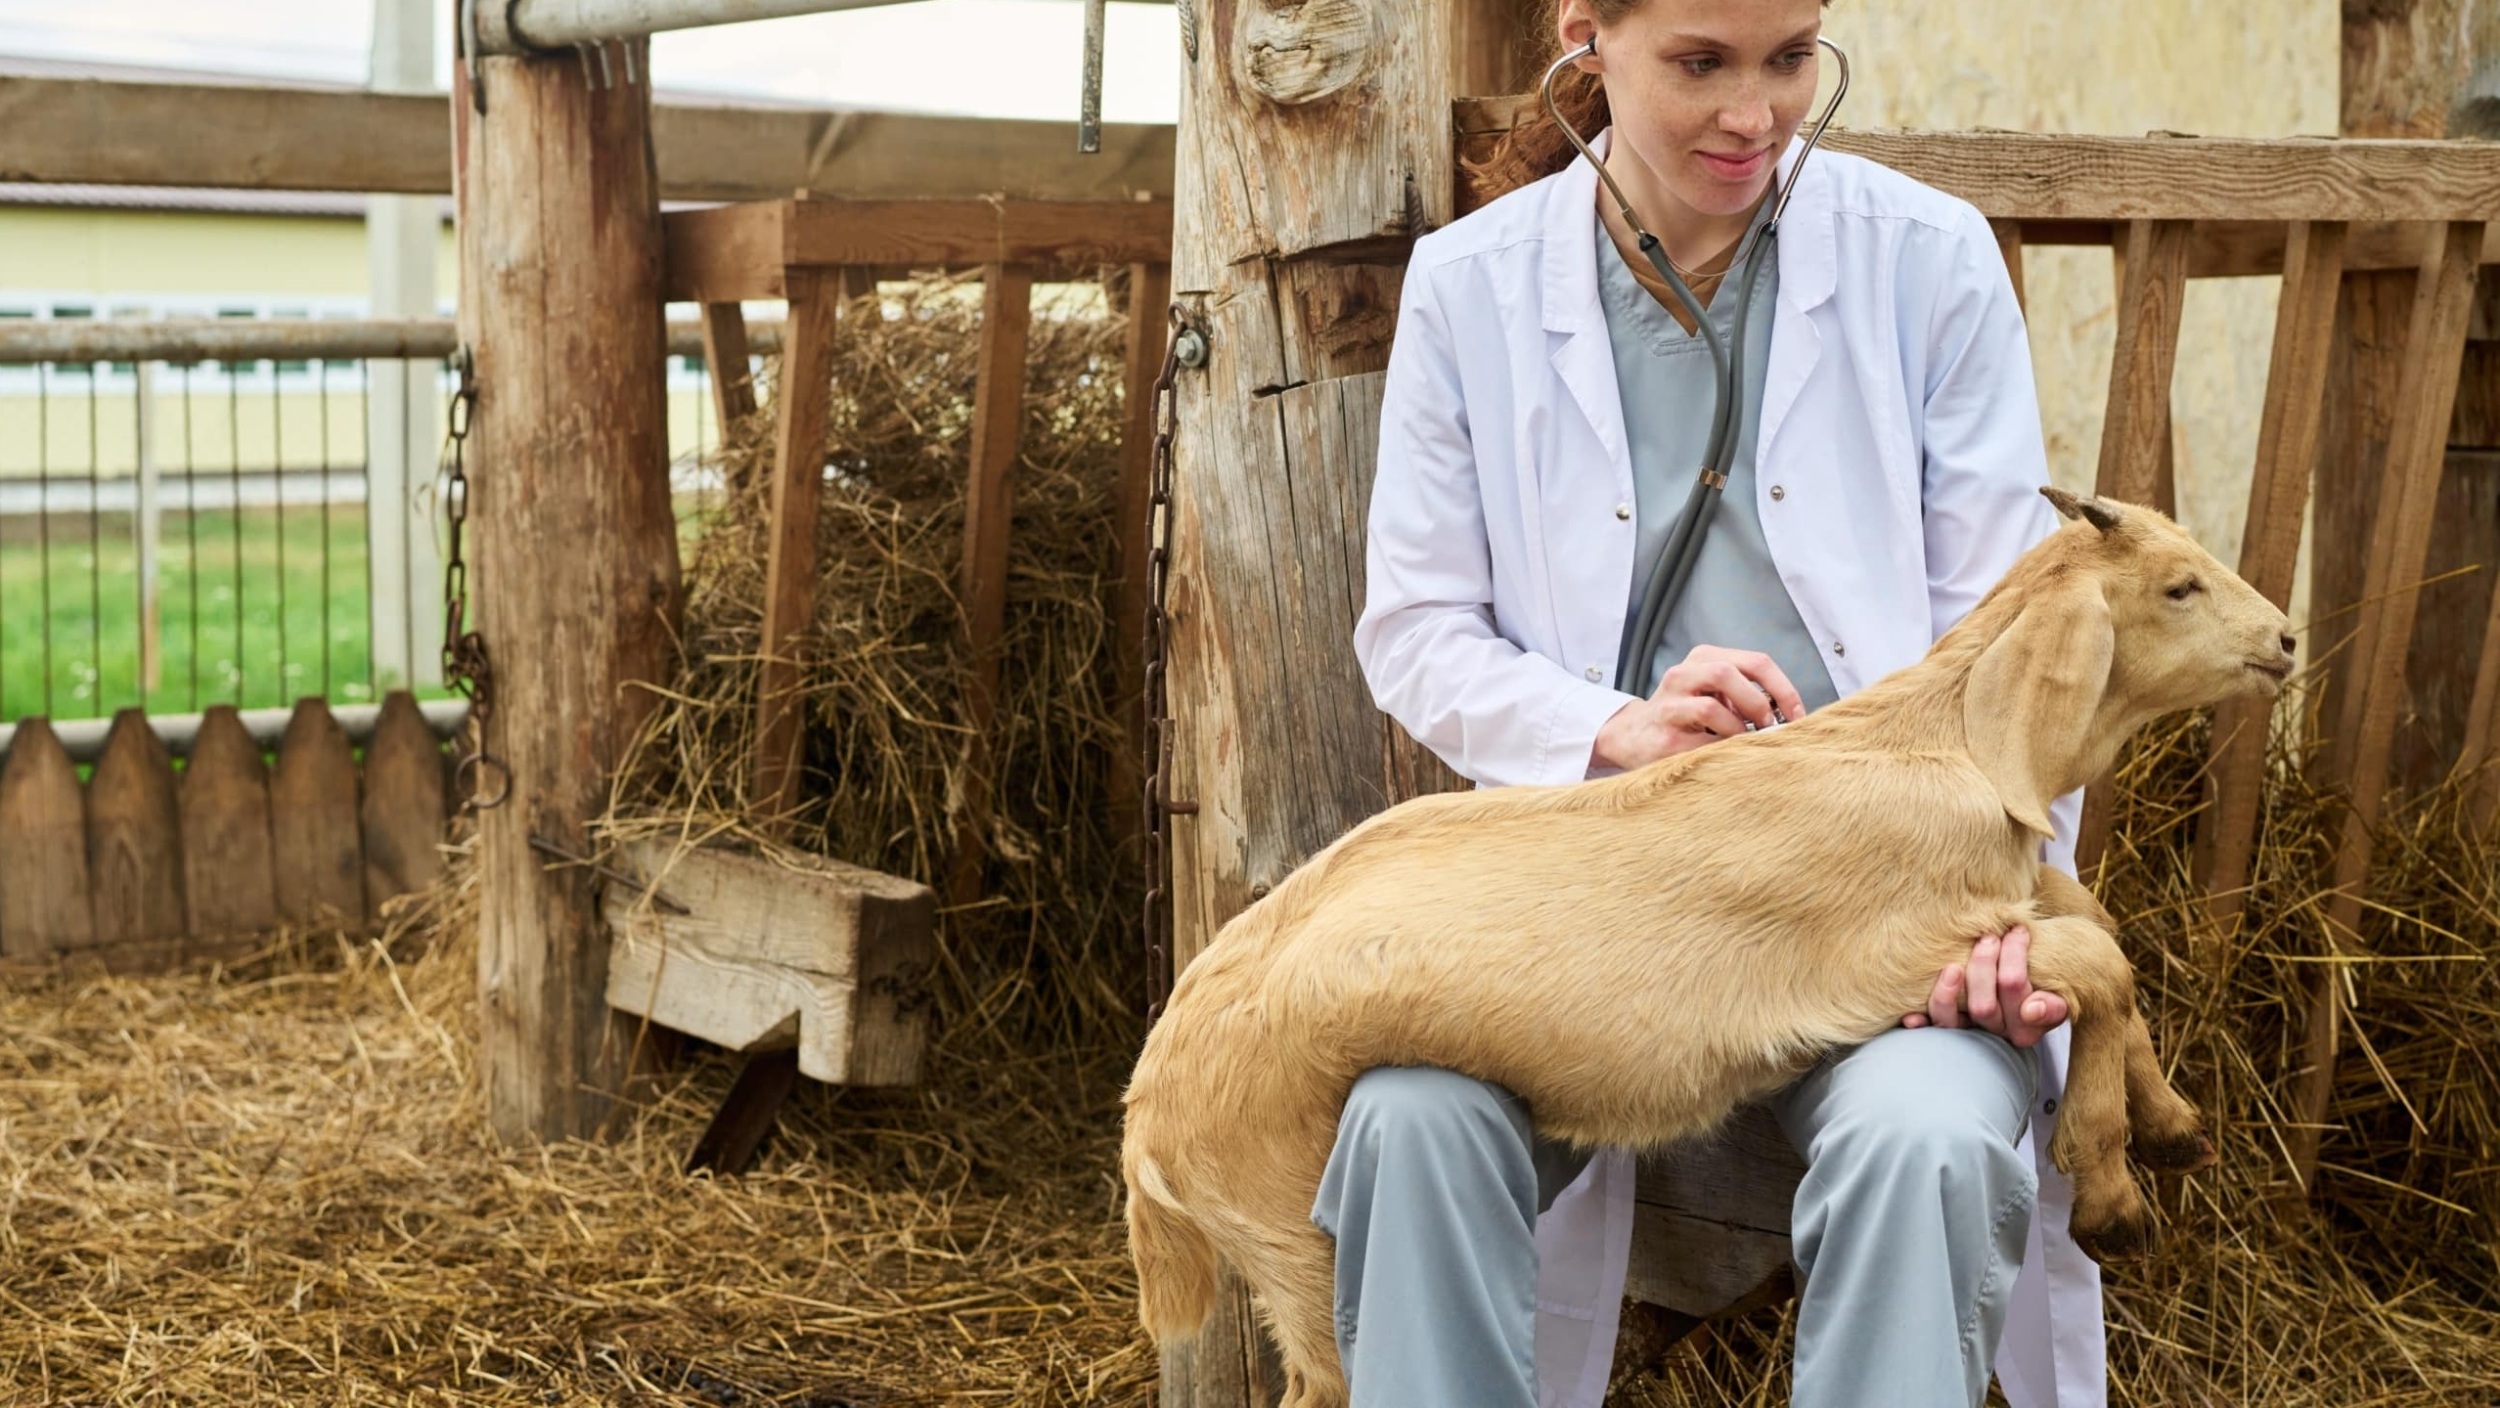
<point>1729,168</point>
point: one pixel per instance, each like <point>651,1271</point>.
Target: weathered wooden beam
<point>2032,176</point>
<point>725,357</point>
<point>2135,430</point>
<point>229,880</point>
<point>1710,1217</point>
<point>2375,661</point>
<point>574,543</point>
<point>989,514</point>
<point>803,396</point>
<point>134,838</point>
<point>2278,500</point>
<point>101,132</point>
<point>26,341</point>
<point>317,850</point>
<point>830,961</point>
<point>736,252</point>
<point>46,903</point>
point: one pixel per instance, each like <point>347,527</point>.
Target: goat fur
<point>1635,956</point>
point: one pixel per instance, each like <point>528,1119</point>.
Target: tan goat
<point>1637,955</point>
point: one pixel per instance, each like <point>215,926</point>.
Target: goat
<point>1635,956</point>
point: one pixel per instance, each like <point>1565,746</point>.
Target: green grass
<point>249,615</point>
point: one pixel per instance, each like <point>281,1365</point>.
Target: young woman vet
<point>1549,401</point>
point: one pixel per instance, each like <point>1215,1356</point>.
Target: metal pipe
<point>84,738</point>
<point>537,26</point>
<point>256,339</point>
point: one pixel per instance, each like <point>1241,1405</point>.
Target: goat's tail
<point>1176,1264</point>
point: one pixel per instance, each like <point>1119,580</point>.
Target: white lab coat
<point>1900,456</point>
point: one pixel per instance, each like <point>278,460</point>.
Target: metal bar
<point>84,738</point>
<point>1089,103</point>
<point>150,529</point>
<point>258,339</point>
<point>535,26</point>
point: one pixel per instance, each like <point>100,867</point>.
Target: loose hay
<point>274,1184</point>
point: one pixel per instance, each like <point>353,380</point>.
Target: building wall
<point>2242,68</point>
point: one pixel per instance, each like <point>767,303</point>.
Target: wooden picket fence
<point>145,865</point>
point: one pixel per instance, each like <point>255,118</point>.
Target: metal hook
<point>481,763</point>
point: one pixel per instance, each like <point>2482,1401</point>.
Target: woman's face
<point>1705,93</point>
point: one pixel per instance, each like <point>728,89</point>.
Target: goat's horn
<point>2098,514</point>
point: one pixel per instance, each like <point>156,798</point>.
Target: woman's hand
<point>1714,694</point>
<point>1994,992</point>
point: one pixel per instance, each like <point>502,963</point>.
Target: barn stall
<point>820,827</point>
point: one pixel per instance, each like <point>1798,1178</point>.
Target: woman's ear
<point>1576,24</point>
<point>2028,707</point>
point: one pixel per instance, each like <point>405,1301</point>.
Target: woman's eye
<point>1700,67</point>
<point>2185,590</point>
<point>1793,61</point>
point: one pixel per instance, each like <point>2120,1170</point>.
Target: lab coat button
<point>1839,649</point>
<point>1595,673</point>
<point>1623,511</point>
<point>1778,493</point>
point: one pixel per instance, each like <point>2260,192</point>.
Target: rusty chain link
<point>1186,345</point>
<point>466,665</point>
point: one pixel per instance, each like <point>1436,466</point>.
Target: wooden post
<point>2419,69</point>
<point>2135,433</point>
<point>574,545</point>
<point>725,359</point>
<point>1342,112</point>
<point>802,396</point>
<point>989,509</point>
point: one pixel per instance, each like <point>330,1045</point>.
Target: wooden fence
<point>145,864</point>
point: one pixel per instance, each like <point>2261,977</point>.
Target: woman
<point>1545,410</point>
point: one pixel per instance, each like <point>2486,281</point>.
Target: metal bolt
<point>1191,348</point>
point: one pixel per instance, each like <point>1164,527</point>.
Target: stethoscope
<point>1675,564</point>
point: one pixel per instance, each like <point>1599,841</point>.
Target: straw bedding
<point>272,1183</point>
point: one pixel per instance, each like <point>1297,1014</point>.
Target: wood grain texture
<point>725,357</point>
<point>576,547</point>
<point>827,960</point>
<point>989,514</point>
<point>228,875</point>
<point>301,139</point>
<point>1710,1223</point>
<point>746,251</point>
<point>45,898</point>
<point>802,398</point>
<point>2009,235</point>
<point>134,837</point>
<point>2278,502</point>
<point>2035,176</point>
<point>2369,706</point>
<point>316,854</point>
<point>2136,463</point>
<point>403,813</point>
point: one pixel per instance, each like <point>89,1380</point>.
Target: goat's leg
<point>2169,1134</point>
<point>1298,1279</point>
<point>2079,960</point>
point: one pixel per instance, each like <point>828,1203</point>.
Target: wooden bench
<point>1710,1223</point>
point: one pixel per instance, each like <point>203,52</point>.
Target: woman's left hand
<point>1993,991</point>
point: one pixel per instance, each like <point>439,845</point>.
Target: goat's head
<point>2119,618</point>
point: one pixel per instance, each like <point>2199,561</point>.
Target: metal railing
<point>203,511</point>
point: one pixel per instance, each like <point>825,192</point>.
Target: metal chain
<point>466,665</point>
<point>1186,346</point>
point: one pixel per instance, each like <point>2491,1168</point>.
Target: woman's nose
<point>1750,117</point>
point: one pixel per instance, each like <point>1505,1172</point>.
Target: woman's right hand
<point>1713,694</point>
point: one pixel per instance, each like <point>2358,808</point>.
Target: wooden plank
<point>744,251</point>
<point>1710,1219</point>
<point>403,811</point>
<point>134,837</point>
<point>316,853</point>
<point>747,1115</point>
<point>725,357</point>
<point>804,395</point>
<point>1149,331</point>
<point>45,898</point>
<point>989,513</point>
<point>2416,453</point>
<point>2135,431</point>
<point>2480,757</point>
<point>314,139</point>
<point>228,877</point>
<point>829,960</point>
<point>2278,501</point>
<point>560,261</point>
<point>2009,235</point>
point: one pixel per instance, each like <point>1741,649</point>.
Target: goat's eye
<point>2185,590</point>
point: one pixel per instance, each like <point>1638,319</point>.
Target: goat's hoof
<point>2111,1220</point>
<point>2184,1152</point>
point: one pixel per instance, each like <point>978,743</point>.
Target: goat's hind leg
<point>2079,960</point>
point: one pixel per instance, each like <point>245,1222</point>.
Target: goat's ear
<point>2032,694</point>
